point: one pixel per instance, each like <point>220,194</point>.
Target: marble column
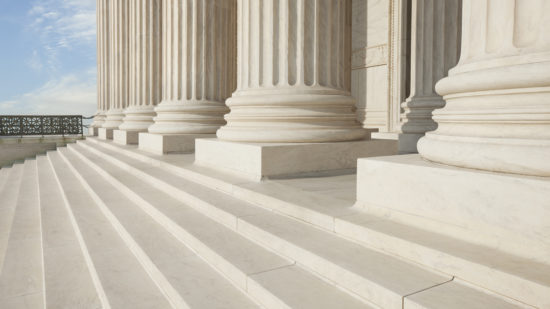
<point>118,66</point>
<point>198,71</point>
<point>435,48</point>
<point>144,82</point>
<point>293,73</point>
<point>292,112</point>
<point>102,65</point>
<point>497,113</point>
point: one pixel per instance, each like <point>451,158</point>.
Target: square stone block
<point>93,131</point>
<point>126,137</point>
<point>256,160</point>
<point>503,211</point>
<point>169,143</point>
<point>105,134</point>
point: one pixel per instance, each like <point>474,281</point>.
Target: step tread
<point>517,266</point>
<point>248,257</point>
<point>125,282</point>
<point>68,281</point>
<point>454,295</point>
<point>22,273</point>
<point>199,285</point>
<point>366,270</point>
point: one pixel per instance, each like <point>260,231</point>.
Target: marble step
<point>4,174</point>
<point>68,280</point>
<point>379,278</point>
<point>273,281</point>
<point>508,275</point>
<point>9,196</point>
<point>21,275</point>
<point>190,280</point>
<point>125,283</point>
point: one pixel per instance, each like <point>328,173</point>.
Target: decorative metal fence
<point>41,125</point>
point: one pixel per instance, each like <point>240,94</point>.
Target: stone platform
<point>169,143</point>
<point>257,161</point>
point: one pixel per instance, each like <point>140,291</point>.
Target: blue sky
<point>47,57</point>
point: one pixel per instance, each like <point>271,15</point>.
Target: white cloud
<point>63,24</point>
<point>70,94</point>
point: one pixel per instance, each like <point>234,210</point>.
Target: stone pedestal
<point>435,48</point>
<point>105,133</point>
<point>93,131</point>
<point>199,73</point>
<point>124,137</point>
<point>502,211</point>
<point>257,161</point>
<point>169,143</point>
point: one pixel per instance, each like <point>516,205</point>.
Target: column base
<point>105,133</point>
<point>502,211</point>
<point>126,137</point>
<point>408,141</point>
<point>169,143</point>
<point>257,161</point>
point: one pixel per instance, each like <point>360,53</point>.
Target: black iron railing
<point>21,125</point>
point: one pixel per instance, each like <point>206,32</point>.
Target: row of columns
<point>292,79</point>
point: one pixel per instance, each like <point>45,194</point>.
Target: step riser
<point>160,280</point>
<point>235,275</point>
<point>331,272</point>
<point>482,275</point>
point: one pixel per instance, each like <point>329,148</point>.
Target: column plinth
<point>497,113</point>
<point>199,73</point>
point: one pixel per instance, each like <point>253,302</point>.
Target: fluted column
<point>118,72</point>
<point>198,69</point>
<point>145,83</point>
<point>102,62</point>
<point>435,48</point>
<point>293,73</point>
<point>497,113</point>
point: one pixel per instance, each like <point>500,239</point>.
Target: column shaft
<point>119,64</point>
<point>198,66</point>
<point>102,62</point>
<point>435,49</point>
<point>145,82</point>
<point>497,113</point>
<point>293,73</point>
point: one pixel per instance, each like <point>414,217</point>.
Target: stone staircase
<point>98,225</point>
